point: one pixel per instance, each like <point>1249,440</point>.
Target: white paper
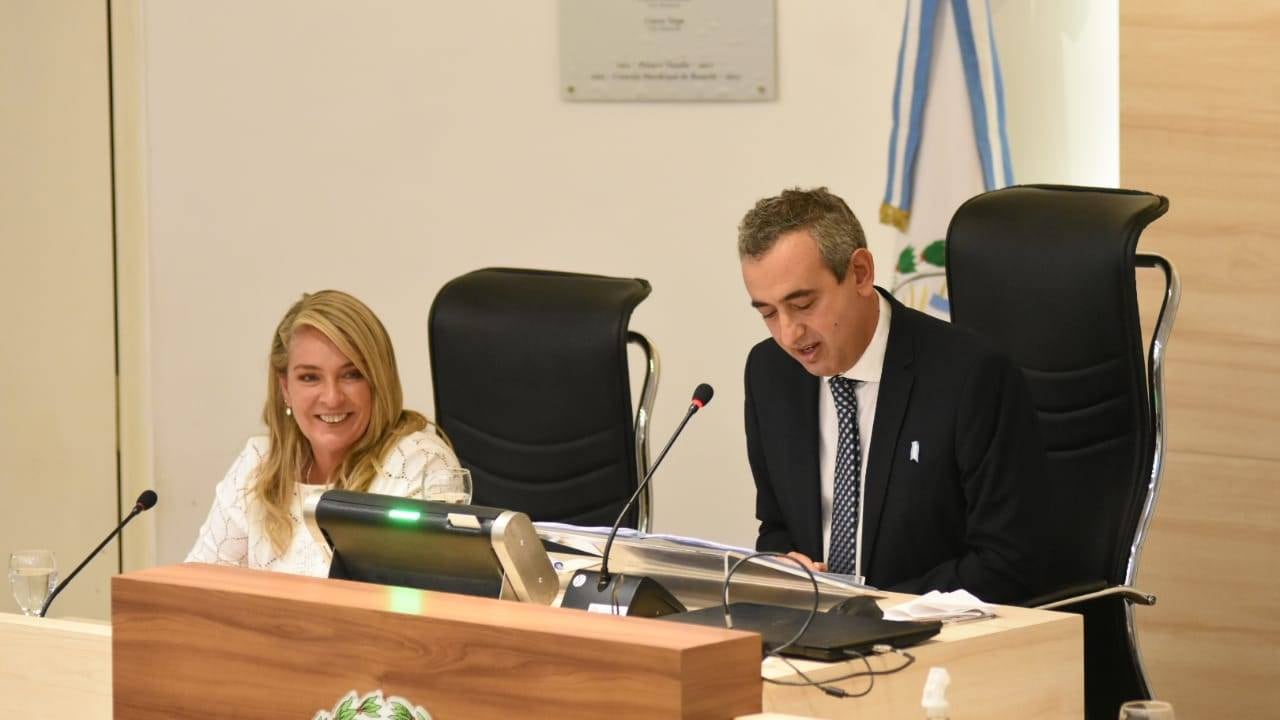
<point>953,606</point>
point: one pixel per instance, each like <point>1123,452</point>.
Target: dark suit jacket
<point>966,515</point>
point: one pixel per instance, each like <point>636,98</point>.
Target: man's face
<point>823,323</point>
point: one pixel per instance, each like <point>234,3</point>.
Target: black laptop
<point>829,636</point>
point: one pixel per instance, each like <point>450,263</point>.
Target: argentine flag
<point>948,124</point>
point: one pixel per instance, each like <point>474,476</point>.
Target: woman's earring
<point>288,410</point>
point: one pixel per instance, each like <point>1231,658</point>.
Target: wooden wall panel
<point>1212,642</point>
<point>1200,123</point>
<point>57,369</point>
<point>1224,390</point>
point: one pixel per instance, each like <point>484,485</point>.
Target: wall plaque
<point>667,50</point>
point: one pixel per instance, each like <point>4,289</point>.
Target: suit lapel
<point>804,423</point>
<point>896,380</point>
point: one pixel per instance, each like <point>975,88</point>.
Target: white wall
<point>1061,62</point>
<point>384,148</point>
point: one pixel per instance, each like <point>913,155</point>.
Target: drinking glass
<point>452,485</point>
<point>32,575</point>
<point>1146,710</point>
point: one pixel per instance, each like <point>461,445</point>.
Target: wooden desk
<point>1022,663</point>
<point>52,667</point>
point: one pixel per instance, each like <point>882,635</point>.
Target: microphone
<point>635,594</point>
<point>146,501</point>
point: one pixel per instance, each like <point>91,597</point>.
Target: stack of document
<point>954,606</point>
<point>694,569</point>
<point>693,552</point>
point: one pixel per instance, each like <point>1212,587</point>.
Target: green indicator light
<point>404,600</point>
<point>408,515</point>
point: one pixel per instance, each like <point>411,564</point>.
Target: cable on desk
<point>869,673</point>
<point>728,576</point>
<point>823,685</point>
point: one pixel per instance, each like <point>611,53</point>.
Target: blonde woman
<point>335,418</point>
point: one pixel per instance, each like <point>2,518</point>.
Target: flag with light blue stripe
<point>949,122</point>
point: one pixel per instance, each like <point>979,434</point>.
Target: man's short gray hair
<point>827,218</point>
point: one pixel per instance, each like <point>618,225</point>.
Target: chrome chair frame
<point>644,414</point>
<point>1155,387</point>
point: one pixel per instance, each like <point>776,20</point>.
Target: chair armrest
<point>1131,594</point>
<point>1068,592</point>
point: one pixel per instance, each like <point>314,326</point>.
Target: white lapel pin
<point>915,451</point>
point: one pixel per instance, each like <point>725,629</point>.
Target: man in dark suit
<point>884,443</point>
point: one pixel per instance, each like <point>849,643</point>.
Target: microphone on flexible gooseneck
<point>634,594</point>
<point>145,502</point>
<point>701,396</point>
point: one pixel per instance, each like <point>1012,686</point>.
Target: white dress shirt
<point>234,533</point>
<point>867,372</point>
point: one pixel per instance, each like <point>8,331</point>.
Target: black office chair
<point>1048,274</point>
<point>532,386</point>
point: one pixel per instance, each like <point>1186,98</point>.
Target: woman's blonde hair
<point>358,333</point>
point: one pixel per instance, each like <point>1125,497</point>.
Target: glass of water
<point>32,575</point>
<point>1146,710</point>
<point>452,485</point>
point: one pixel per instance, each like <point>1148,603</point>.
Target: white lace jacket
<point>234,533</point>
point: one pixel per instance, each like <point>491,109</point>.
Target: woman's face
<point>331,399</point>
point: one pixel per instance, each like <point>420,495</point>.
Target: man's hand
<point>804,560</point>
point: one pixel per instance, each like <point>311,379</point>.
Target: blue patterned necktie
<point>844,505</point>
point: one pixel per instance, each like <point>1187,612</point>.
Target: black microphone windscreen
<point>702,395</point>
<point>146,500</point>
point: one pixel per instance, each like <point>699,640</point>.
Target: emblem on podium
<point>373,707</point>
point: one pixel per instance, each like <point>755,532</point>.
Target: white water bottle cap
<point>934,700</point>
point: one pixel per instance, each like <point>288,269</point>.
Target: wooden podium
<point>198,641</point>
